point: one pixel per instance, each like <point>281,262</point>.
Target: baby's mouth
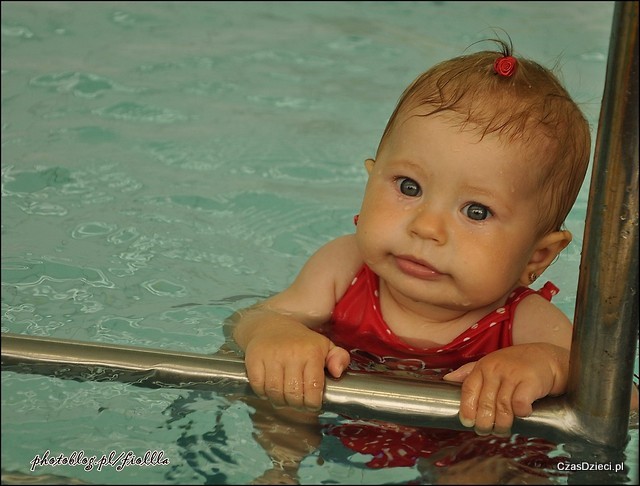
<point>417,268</point>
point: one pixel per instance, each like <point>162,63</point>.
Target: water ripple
<point>33,181</point>
<point>165,288</point>
<point>42,208</point>
<point>136,112</point>
<point>83,85</point>
<point>124,235</point>
<point>89,230</point>
<point>16,31</point>
<point>184,156</point>
<point>26,273</point>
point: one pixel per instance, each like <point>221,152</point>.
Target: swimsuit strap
<point>548,290</point>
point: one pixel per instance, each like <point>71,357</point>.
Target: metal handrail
<point>605,335</point>
<point>390,396</point>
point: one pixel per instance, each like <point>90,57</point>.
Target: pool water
<point>167,163</point>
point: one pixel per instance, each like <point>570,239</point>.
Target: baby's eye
<point>408,187</point>
<point>477,212</point>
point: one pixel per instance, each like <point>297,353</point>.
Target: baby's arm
<point>284,357</point>
<point>504,384</point>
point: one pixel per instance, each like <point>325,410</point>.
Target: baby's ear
<point>368,164</point>
<point>544,253</point>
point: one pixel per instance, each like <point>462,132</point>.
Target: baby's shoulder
<point>341,259</point>
<point>534,303</point>
<point>339,252</point>
<point>320,283</point>
<point>536,319</point>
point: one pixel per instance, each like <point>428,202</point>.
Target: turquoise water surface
<point>166,163</point>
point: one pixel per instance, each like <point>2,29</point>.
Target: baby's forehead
<point>525,159</point>
<point>528,137</point>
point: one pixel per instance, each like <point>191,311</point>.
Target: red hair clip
<point>505,66</point>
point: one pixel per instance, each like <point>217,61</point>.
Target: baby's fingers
<point>490,405</point>
<point>313,387</point>
<point>504,413</point>
<point>522,401</point>
<point>514,400</point>
<point>256,373</point>
<point>337,360</point>
<point>274,384</point>
<point>302,387</point>
<point>485,404</point>
<point>461,373</point>
<point>469,394</point>
<point>293,389</point>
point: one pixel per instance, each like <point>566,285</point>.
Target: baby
<point>476,171</point>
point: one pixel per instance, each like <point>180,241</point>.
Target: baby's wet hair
<point>529,106</point>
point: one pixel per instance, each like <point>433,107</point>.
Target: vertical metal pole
<point>606,318</point>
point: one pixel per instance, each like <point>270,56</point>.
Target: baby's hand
<point>504,384</point>
<point>285,363</point>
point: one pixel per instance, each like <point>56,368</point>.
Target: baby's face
<point>447,218</point>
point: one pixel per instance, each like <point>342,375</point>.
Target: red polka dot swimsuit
<point>357,325</point>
